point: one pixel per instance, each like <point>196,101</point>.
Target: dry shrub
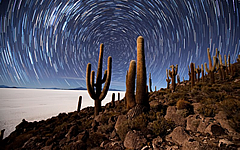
<point>182,104</point>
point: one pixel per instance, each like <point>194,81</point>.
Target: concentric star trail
<point>48,43</point>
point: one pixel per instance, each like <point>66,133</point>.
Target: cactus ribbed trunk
<point>173,74</point>
<point>150,82</point>
<point>130,82</point>
<point>202,69</point>
<point>79,103</point>
<point>192,75</point>
<point>113,100</point>
<point>97,107</point>
<point>209,59</point>
<point>141,73</point>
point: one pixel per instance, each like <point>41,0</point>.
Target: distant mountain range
<point>78,88</point>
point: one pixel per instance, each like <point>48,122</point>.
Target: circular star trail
<point>49,43</point>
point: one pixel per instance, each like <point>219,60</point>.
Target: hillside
<point>202,117</point>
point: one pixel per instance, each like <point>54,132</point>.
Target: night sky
<point>48,43</point>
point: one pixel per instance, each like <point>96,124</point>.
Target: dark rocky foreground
<point>203,117</point>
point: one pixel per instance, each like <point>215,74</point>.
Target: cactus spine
<point>141,73</point>
<point>150,82</point>
<point>130,82</point>
<point>173,74</point>
<point>168,80</point>
<point>97,94</point>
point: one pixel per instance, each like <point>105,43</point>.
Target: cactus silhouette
<point>141,98</point>
<point>97,93</point>
<point>113,100</point>
<point>222,68</point>
<point>150,82</point>
<point>211,69</point>
<point>168,80</point>
<point>173,74</point>
<point>198,70</point>
<point>130,83</point>
<point>192,75</point>
<point>189,73</point>
<point>178,79</point>
<point>79,103</point>
<point>202,69</point>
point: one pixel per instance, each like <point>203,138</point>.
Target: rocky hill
<point>206,116</point>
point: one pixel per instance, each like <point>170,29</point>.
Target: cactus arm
<point>131,85</point>
<point>206,68</point>
<point>229,61</point>
<point>220,60</point>
<point>88,84</point>
<point>167,73</point>
<point>108,79</point>
<point>104,77</point>
<point>225,60</point>
<point>92,80</point>
<point>215,63</point>
<point>176,70</point>
<point>99,72</point>
<point>170,73</point>
<point>209,59</point>
<point>217,52</point>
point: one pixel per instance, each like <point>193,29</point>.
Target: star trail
<point>48,43</point>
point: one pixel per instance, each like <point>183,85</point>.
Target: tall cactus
<point>192,75</point>
<point>130,82</point>
<point>141,74</point>
<point>173,74</point>
<point>198,70</point>
<point>98,94</point>
<point>222,72</point>
<point>168,80</point>
<point>150,82</point>
<point>202,69</point>
<point>211,70</point>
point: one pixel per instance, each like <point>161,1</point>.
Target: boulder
<point>196,107</point>
<point>224,143</point>
<point>120,120</point>
<point>134,140</point>
<point>221,117</point>
<point>176,118</point>
<point>73,131</point>
<point>116,145</point>
<point>31,143</point>
<point>193,122</point>
<point>192,145</point>
<point>178,135</point>
<point>215,129</point>
<point>203,124</point>
<point>83,136</point>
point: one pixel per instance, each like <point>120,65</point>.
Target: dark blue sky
<point>48,43</point>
